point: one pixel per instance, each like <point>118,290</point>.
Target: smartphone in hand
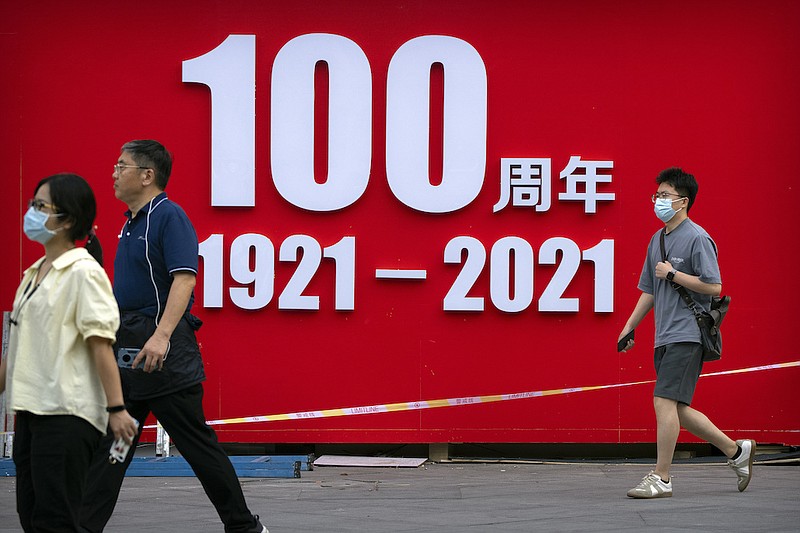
<point>125,357</point>
<point>624,340</point>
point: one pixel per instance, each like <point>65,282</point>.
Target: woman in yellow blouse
<point>60,375</point>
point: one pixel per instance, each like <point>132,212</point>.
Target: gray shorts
<point>678,368</point>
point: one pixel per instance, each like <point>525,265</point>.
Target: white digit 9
<point>261,275</point>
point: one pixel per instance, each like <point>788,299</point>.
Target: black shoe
<point>258,527</point>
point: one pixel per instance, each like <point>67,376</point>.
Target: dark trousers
<point>52,455</point>
<point>181,414</point>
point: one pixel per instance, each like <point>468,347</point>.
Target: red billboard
<point>425,221</point>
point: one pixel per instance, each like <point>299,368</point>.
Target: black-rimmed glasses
<point>119,167</point>
<point>663,195</point>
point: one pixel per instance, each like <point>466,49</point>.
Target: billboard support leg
<point>439,451</point>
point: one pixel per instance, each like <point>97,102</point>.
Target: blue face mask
<point>664,210</point>
<point>34,226</point>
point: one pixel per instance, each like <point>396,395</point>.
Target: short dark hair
<point>73,198</point>
<point>683,182</point>
<point>151,154</point>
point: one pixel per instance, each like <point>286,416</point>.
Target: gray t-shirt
<point>691,251</point>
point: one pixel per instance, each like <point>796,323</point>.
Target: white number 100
<point>229,71</point>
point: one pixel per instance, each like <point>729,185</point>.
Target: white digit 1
<point>349,122</point>
<point>456,298</point>
<point>500,274</point>
<point>211,252</point>
<point>229,71</point>
<point>292,296</point>
<point>261,275</point>
<point>408,116</point>
<point>344,254</point>
<point>602,256</point>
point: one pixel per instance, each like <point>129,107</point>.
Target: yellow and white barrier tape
<point>453,402</point>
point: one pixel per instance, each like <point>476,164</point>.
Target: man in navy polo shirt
<point>154,277</point>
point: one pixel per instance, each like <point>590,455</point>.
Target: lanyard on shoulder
<point>30,289</point>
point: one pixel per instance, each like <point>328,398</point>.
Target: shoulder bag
<point>709,322</point>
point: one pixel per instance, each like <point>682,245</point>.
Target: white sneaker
<point>651,486</point>
<point>743,466</point>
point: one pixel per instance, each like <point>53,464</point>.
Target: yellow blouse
<point>50,369</point>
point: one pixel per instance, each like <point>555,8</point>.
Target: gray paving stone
<point>475,497</point>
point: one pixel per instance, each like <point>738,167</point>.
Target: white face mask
<point>664,210</point>
<point>34,226</point>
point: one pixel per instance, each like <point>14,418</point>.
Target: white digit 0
<point>349,122</point>
<point>408,128</point>
<point>500,270</point>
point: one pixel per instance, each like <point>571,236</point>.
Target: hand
<point>153,354</point>
<point>662,269</point>
<point>629,345</point>
<point>122,425</point>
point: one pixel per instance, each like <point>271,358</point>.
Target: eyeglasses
<point>40,204</point>
<point>119,167</point>
<point>664,195</point>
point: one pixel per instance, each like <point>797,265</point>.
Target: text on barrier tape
<point>453,402</point>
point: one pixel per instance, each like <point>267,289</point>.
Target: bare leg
<point>668,428</point>
<point>700,426</point>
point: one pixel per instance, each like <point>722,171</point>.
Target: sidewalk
<point>477,497</point>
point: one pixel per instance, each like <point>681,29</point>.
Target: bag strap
<point>684,294</point>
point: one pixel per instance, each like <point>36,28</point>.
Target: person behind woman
<point>60,373</point>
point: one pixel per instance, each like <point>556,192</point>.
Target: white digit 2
<point>552,298</point>
<point>456,298</point>
<point>292,296</point>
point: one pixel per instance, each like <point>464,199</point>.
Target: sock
<point>738,452</point>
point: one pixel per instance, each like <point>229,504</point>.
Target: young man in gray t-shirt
<point>690,261</point>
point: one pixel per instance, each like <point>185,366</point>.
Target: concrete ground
<point>458,497</point>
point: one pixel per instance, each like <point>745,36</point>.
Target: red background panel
<point>709,86</point>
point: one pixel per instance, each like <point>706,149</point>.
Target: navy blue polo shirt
<point>153,246</point>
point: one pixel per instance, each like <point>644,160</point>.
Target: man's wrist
<point>671,274</point>
<point>162,333</point>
